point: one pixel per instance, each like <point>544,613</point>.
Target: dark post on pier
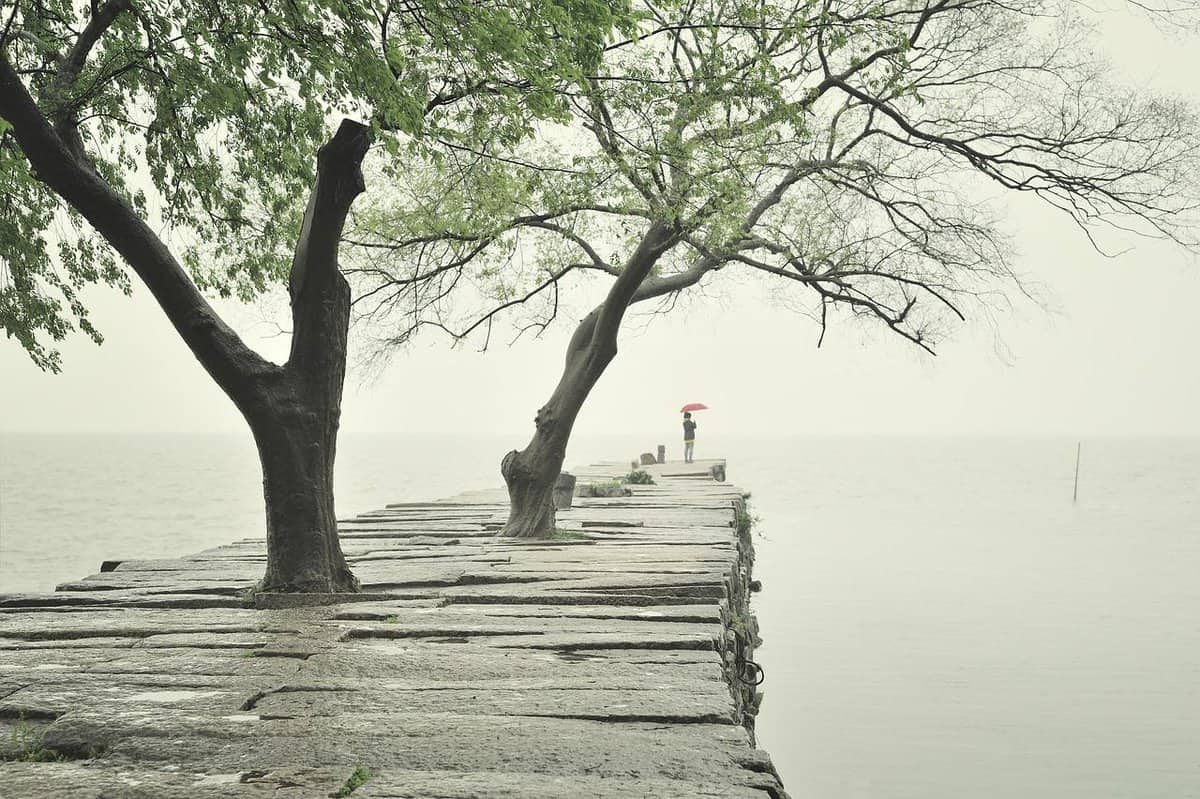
<point>614,660</point>
<point>1075,490</point>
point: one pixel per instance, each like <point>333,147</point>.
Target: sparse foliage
<point>856,150</point>
<point>850,149</point>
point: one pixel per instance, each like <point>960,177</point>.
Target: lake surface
<point>941,621</point>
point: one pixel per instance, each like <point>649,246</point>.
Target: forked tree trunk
<point>296,424</point>
<point>296,432</point>
<point>293,410</point>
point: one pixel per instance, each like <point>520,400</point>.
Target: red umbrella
<point>693,406</point>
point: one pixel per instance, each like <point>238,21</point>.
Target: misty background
<point>1111,351</point>
<point>1107,351</point>
<point>940,620</point>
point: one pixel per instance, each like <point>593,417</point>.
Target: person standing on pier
<point>689,436</point>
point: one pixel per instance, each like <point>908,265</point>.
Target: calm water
<point>941,621</point>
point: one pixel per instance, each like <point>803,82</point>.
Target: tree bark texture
<point>530,473</point>
<point>297,455</point>
<point>296,427</point>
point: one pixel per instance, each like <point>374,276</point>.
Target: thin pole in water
<point>1075,493</point>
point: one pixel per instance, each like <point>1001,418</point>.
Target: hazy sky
<point>1115,355</point>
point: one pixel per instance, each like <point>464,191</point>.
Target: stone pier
<point>613,661</point>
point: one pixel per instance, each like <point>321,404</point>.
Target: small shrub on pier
<point>638,477</point>
<point>746,521</point>
<point>28,745</point>
<point>356,780</point>
<point>613,488</point>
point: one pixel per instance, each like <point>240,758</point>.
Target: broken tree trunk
<point>297,433</point>
<point>293,410</point>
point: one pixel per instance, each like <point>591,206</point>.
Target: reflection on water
<point>941,622</point>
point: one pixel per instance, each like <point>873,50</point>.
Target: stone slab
<point>471,666</point>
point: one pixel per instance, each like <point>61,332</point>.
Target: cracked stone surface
<point>470,667</point>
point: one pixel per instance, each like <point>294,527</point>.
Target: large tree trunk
<point>293,410</point>
<point>303,552</point>
<point>296,424</point>
<point>530,491</point>
<point>530,473</point>
<point>296,432</point>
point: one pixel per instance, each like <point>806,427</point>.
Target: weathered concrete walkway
<point>603,665</point>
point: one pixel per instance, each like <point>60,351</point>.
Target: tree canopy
<point>205,115</point>
<point>856,149</point>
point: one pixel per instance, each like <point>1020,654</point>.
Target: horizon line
<point>659,432</point>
